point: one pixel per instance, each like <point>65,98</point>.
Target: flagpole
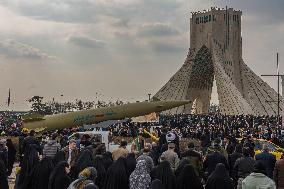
<point>9,97</point>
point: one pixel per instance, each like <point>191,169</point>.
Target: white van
<point>97,133</point>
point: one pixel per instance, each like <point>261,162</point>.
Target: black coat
<point>212,160</point>
<point>11,158</point>
<point>62,182</point>
<point>84,159</point>
<point>163,172</point>
<point>58,178</point>
<point>219,179</point>
<point>268,160</point>
<point>232,158</point>
<point>188,179</point>
<point>243,167</point>
<point>4,155</point>
<point>31,140</point>
<point>3,176</point>
<point>116,177</point>
<point>154,154</point>
<point>42,173</point>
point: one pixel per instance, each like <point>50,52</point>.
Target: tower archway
<point>201,80</point>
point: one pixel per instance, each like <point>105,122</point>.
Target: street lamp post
<point>278,92</point>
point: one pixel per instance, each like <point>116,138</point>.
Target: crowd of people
<point>84,163</point>
<point>56,161</point>
<point>193,126</point>
<point>185,125</point>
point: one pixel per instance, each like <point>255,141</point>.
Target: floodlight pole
<point>278,82</point>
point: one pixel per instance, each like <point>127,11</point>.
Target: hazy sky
<point>116,49</point>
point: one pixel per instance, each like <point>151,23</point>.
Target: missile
<point>92,116</point>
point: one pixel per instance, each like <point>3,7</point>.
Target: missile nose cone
<point>183,102</point>
<point>179,102</point>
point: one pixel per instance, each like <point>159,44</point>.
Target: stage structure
<point>216,52</point>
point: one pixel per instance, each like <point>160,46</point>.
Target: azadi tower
<point>216,51</point>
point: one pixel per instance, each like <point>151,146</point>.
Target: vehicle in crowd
<point>98,133</point>
<point>102,135</point>
<point>273,148</point>
<point>92,116</point>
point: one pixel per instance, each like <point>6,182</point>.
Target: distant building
<point>216,51</point>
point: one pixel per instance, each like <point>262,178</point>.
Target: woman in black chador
<point>101,171</point>
<point>59,178</point>
<point>11,155</point>
<point>219,179</point>
<point>3,174</point>
<point>130,164</point>
<point>156,184</point>
<point>117,175</point>
<point>164,173</point>
<point>28,167</point>
<point>188,179</point>
<point>107,160</point>
<point>181,166</point>
<point>42,173</point>
<point>59,156</point>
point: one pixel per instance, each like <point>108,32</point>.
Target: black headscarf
<point>116,175</point>
<point>28,167</point>
<point>188,179</point>
<point>11,155</point>
<point>59,156</point>
<point>42,173</point>
<point>101,171</point>
<point>157,184</point>
<point>107,158</point>
<point>3,175</point>
<point>181,166</point>
<point>164,173</point>
<point>259,167</point>
<point>219,179</point>
<point>59,178</point>
<point>130,164</point>
<point>84,160</point>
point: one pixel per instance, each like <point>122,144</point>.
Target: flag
<point>9,98</point>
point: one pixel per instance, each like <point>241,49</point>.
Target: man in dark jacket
<point>268,160</point>
<point>205,141</point>
<point>278,174</point>
<point>243,166</point>
<point>232,158</point>
<point>194,158</point>
<point>213,159</point>
<point>71,152</point>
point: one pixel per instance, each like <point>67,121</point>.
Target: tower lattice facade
<point>216,52</point>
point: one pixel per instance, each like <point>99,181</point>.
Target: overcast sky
<point>116,49</point>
